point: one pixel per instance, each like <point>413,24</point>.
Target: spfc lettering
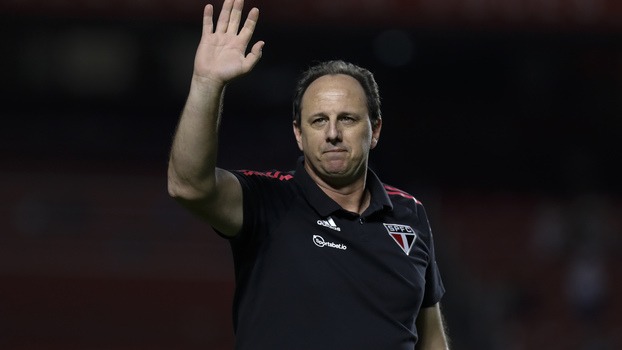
<point>395,228</point>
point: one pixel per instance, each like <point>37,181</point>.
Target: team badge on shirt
<point>403,235</point>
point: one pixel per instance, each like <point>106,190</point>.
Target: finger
<point>235,17</point>
<point>250,24</point>
<point>257,49</point>
<point>223,18</point>
<point>253,56</point>
<point>208,24</point>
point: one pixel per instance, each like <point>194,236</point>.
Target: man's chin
<point>335,169</point>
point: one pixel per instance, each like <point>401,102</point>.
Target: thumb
<point>254,55</point>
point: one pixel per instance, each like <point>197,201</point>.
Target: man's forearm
<point>193,154</point>
<point>432,329</point>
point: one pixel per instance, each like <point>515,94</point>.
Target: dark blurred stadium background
<point>503,117</point>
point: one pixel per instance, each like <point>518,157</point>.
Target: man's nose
<point>333,131</point>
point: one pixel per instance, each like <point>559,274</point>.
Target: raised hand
<point>221,55</point>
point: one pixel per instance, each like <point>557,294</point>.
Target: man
<point>327,256</point>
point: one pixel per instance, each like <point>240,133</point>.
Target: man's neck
<point>356,201</point>
<point>353,197</point>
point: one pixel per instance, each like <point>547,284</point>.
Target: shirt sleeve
<point>434,288</point>
<point>265,197</point>
<point>253,204</point>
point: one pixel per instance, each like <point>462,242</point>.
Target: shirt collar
<point>324,205</point>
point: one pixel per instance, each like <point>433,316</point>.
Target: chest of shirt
<point>384,256</point>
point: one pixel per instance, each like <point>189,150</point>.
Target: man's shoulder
<point>273,181</point>
<point>276,175</point>
<point>406,205</point>
<point>273,186</point>
<point>397,195</point>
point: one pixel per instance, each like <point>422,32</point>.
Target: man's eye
<point>318,121</point>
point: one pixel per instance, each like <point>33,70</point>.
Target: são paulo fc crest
<point>403,235</point>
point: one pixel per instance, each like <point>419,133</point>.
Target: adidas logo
<point>330,223</point>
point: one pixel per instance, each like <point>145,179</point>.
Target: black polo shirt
<point>310,275</point>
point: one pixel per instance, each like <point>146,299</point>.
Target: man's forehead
<point>330,87</point>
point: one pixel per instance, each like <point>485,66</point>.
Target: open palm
<point>221,55</point>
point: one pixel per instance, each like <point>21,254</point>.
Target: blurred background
<point>503,117</point>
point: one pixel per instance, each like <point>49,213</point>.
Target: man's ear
<point>375,133</point>
<point>297,134</point>
<point>374,142</point>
